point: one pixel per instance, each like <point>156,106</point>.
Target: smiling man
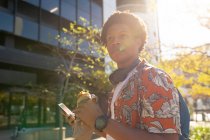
<point>144,104</point>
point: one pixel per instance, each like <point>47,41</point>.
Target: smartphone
<point>67,112</point>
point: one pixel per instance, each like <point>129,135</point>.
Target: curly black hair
<point>135,23</point>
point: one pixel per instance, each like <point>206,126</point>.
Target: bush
<point>200,133</point>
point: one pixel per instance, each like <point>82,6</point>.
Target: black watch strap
<point>101,122</point>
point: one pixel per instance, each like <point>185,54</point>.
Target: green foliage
<point>71,97</point>
<point>83,66</point>
<point>200,133</point>
<point>191,70</point>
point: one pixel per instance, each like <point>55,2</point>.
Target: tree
<point>82,55</point>
<point>191,69</point>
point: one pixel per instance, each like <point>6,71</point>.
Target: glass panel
<point>97,21</point>
<point>51,5</point>
<point>49,19</point>
<point>50,110</point>
<point>7,4</point>
<point>68,9</point>
<point>4,103</point>
<point>17,109</point>
<point>67,40</point>
<point>84,10</point>
<point>26,28</point>
<point>96,13</point>
<point>85,48</point>
<point>32,110</point>
<point>47,35</point>
<point>28,10</point>
<point>7,23</point>
<point>33,2</point>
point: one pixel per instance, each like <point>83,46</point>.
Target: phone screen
<point>67,112</point>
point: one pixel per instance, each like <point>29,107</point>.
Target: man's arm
<point>121,132</point>
<point>90,111</point>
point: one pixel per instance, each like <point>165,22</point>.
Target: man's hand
<point>88,112</point>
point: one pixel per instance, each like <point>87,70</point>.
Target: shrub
<point>200,133</point>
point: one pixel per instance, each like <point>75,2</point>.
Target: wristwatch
<point>101,122</point>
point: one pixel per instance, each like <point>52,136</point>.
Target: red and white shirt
<point>146,99</point>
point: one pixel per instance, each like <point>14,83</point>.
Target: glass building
<point>27,28</point>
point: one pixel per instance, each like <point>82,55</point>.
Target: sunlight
<point>179,24</point>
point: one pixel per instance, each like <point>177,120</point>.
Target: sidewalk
<point>101,138</point>
<point>6,134</point>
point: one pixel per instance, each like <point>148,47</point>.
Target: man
<point>144,104</point>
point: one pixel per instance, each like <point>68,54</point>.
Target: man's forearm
<point>121,132</point>
<point>102,134</point>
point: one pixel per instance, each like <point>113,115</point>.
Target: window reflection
<point>4,102</point>
<point>47,35</point>
<point>7,23</point>
<point>33,2</point>
<point>68,41</point>
<point>28,10</point>
<point>50,110</point>
<point>68,9</point>
<point>32,110</point>
<point>17,109</point>
<point>84,48</point>
<point>51,5</point>
<point>26,28</point>
<point>84,10</point>
<point>49,19</point>
<point>96,13</point>
<point>7,4</point>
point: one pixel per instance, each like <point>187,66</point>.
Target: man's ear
<point>140,43</point>
<point>139,40</point>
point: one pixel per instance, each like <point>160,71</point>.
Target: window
<point>17,109</point>
<point>47,35</point>
<point>85,48</point>
<point>84,10</point>
<point>26,28</point>
<point>68,9</point>
<point>7,4</point>
<point>28,10</point>
<point>50,112</point>
<point>32,110</point>
<point>33,2</point>
<point>7,23</point>
<point>49,19</point>
<point>68,39</point>
<point>96,12</point>
<point>51,6</point>
<point>4,102</point>
<point>4,3</point>
<point>2,39</point>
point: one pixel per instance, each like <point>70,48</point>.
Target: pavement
<point>7,134</point>
<point>100,138</point>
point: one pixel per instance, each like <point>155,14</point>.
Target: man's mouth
<point>122,48</point>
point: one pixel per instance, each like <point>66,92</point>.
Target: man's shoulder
<point>145,68</point>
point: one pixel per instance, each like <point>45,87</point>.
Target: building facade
<point>27,31</point>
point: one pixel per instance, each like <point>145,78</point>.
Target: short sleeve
<point>159,102</point>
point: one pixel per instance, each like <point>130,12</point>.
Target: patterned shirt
<point>147,100</point>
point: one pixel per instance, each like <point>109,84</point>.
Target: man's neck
<point>126,64</point>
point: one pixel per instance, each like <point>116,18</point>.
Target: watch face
<point>101,123</point>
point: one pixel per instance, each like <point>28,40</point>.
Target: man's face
<point>122,44</point>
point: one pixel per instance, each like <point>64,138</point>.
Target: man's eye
<point>123,35</point>
<point>109,38</point>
